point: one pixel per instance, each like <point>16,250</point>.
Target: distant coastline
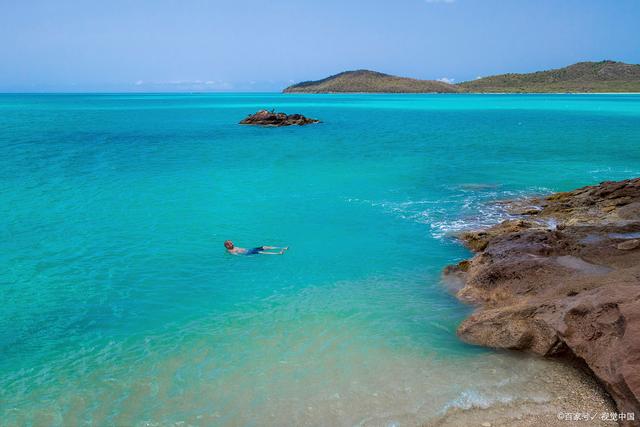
<point>455,93</point>
<point>604,77</point>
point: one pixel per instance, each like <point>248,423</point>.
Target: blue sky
<point>251,45</point>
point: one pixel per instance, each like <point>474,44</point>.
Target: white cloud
<point>478,77</point>
<point>446,80</point>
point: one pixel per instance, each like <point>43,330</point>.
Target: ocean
<point>120,306</point>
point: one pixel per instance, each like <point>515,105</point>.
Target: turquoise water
<point>120,306</point>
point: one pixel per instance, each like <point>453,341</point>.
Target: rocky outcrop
<point>271,118</point>
<point>563,280</point>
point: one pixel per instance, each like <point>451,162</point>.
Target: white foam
<point>463,209</point>
<point>469,399</point>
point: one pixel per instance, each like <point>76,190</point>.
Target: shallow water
<point>119,305</point>
<point>625,236</point>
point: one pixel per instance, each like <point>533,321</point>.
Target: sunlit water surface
<point>120,306</point>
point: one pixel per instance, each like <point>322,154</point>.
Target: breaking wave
<point>465,207</point>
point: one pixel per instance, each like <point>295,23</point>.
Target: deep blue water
<point>120,305</point>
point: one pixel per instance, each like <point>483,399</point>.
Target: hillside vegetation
<point>583,77</point>
<point>373,82</point>
<point>604,76</point>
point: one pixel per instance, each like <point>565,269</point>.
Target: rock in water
<point>271,118</point>
<point>568,291</point>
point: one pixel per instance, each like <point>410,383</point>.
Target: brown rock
<point>478,240</point>
<point>564,293</point>
<point>271,118</point>
<point>630,211</point>
<point>629,245</point>
<point>588,204</point>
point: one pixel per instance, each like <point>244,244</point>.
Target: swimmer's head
<point>228,244</point>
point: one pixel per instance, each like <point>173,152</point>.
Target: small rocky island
<point>563,280</point>
<point>271,118</point>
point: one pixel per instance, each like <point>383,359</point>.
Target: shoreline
<point>562,281</point>
<point>585,396</point>
<point>456,93</point>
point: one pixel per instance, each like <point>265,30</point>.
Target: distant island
<point>583,77</point>
<point>371,81</point>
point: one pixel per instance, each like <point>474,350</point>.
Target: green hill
<point>583,77</point>
<point>604,76</point>
<point>371,81</point>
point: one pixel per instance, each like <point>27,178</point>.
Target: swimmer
<point>260,250</point>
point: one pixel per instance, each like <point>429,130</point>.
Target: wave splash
<point>464,207</point>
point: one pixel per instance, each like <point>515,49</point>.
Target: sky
<point>266,45</point>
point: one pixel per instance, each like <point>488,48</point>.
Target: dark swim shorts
<point>254,251</point>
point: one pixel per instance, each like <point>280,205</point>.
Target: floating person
<point>260,250</point>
